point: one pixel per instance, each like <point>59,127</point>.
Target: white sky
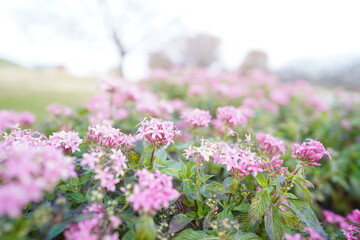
<point>285,29</point>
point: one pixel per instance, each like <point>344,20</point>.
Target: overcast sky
<point>285,29</point>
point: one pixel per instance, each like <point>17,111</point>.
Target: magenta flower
<point>230,116</point>
<point>331,217</point>
<point>158,131</point>
<point>313,234</point>
<point>309,152</point>
<point>152,192</point>
<point>107,136</point>
<point>28,171</point>
<point>297,236</point>
<point>66,141</point>
<point>273,167</point>
<point>196,117</point>
<point>269,144</point>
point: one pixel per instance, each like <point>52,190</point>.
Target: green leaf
<point>129,235</point>
<point>305,190</point>
<point>307,216</point>
<point>246,236</point>
<point>171,171</point>
<point>178,222</point>
<point>273,223</point>
<point>259,204</point>
<point>226,213</point>
<point>292,220</point>
<point>76,197</point>
<point>56,230</point>
<point>243,207</point>
<point>217,188</point>
<point>189,234</point>
<point>191,192</point>
<point>145,228</point>
<point>244,221</point>
<point>133,158</point>
<point>261,179</point>
<point>234,184</point>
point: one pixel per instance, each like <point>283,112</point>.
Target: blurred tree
<point>126,24</point>
<point>159,59</point>
<point>255,60</point>
<point>200,50</point>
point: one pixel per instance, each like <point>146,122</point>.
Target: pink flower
<point>58,110</point>
<point>231,116</point>
<point>107,177</point>
<point>331,217</point>
<point>107,136</point>
<point>154,191</point>
<point>196,117</point>
<point>206,150</point>
<point>158,131</point>
<point>309,152</point>
<point>67,141</point>
<point>297,236</point>
<point>10,118</point>
<point>91,159</point>
<point>313,234</point>
<point>273,167</point>
<point>269,144</point>
<point>28,171</point>
<point>110,84</point>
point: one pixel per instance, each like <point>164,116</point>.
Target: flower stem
<point>152,157</point>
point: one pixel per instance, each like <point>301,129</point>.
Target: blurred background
<point>54,50</point>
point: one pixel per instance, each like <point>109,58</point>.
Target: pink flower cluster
<point>273,167</point>
<point>26,172</point>
<point>313,235</point>
<point>66,141</point>
<point>269,144</point>
<point>309,152</point>
<point>152,192</point>
<point>108,172</point>
<point>350,225</point>
<point>10,118</point>
<point>107,136</point>
<point>158,131</point>
<point>206,150</point>
<point>99,226</point>
<point>196,117</point>
<point>240,163</point>
<point>59,110</point>
<point>26,136</point>
<point>229,116</point>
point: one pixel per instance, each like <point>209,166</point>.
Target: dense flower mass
<point>269,144</point>
<point>66,141</point>
<point>99,226</point>
<point>230,116</point>
<point>350,225</point>
<point>10,118</point>
<point>26,172</point>
<point>158,131</point>
<point>196,117</point>
<point>154,191</point>
<point>273,167</point>
<point>309,152</point>
<point>107,136</point>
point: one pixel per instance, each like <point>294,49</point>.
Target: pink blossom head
<point>269,144</point>
<point>107,136</point>
<point>313,235</point>
<point>67,141</point>
<point>273,167</point>
<point>231,116</point>
<point>57,110</point>
<point>196,117</point>
<point>10,118</point>
<point>309,152</point>
<point>158,131</point>
<point>331,217</point>
<point>297,236</point>
<point>110,84</point>
<point>152,192</point>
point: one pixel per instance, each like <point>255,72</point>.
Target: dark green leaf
<point>246,236</point>
<point>178,222</point>
<point>76,197</point>
<point>145,228</point>
<point>189,234</point>
<point>273,223</point>
<point>56,230</point>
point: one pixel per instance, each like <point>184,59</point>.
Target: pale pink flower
<point>110,84</point>
<point>18,136</point>
<point>107,177</point>
<point>152,192</point>
<point>196,117</point>
<point>10,118</point>
<point>309,152</point>
<point>297,236</point>
<point>107,136</point>
<point>313,234</point>
<point>158,131</point>
<point>230,116</point>
<point>27,172</point>
<point>91,159</point>
<point>204,152</point>
<point>66,141</point>
<point>59,110</point>
<point>269,144</point>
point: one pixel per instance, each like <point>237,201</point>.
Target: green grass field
<point>32,90</point>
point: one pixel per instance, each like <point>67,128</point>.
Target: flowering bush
<point>216,157</point>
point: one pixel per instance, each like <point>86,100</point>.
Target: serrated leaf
<point>56,230</point>
<point>217,188</point>
<point>178,222</point>
<point>226,213</point>
<point>306,215</point>
<point>243,207</point>
<point>189,234</point>
<point>129,235</point>
<point>273,223</point>
<point>291,220</point>
<point>259,205</point>
<point>191,192</point>
<point>244,221</point>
